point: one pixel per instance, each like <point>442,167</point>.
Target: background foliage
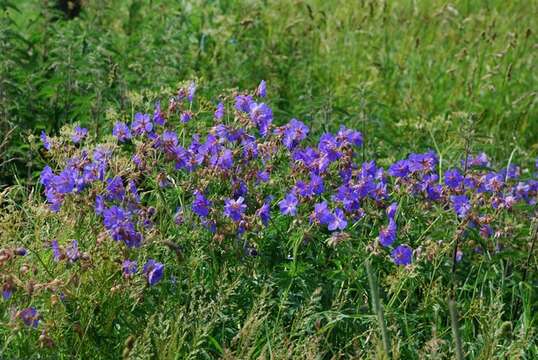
<point>398,66</point>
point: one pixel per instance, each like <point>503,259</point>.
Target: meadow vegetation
<point>158,200</point>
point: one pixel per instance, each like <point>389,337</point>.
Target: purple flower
<point>225,160</point>
<point>222,132</point>
<point>321,213</point>
<point>479,160</point>
<point>453,178</point>
<point>158,117</point>
<point>243,102</point>
<point>134,191</point>
<point>79,134</point>
<point>128,234</point>
<point>348,136</point>
<point>153,271</point>
<point>115,189</point>
<point>182,93</point>
<point>294,133</point>
<point>65,182</point>
<point>402,255</point>
<point>99,205</point>
<point>114,216</point>
<point>250,148</point>
<point>46,176</point>
<point>137,160</point>
<point>117,221</point>
<point>54,198</point>
<point>240,188</point>
<point>262,176</point>
<point>338,220</point>
<point>368,168</point>
<point>262,91</point>
<point>209,225</point>
<point>328,146</point>
<point>262,116</point>
<point>185,117</point>
<point>422,162</point>
<point>387,235</point>
<point>234,209</point>
<point>486,231</point>
<point>459,255</point>
<point>434,191</point>
<point>200,205</point>
<point>6,294</point>
<point>264,212</point>
<point>288,206</point>
<point>29,316</point>
<point>169,141</point>
<point>461,205</point>
<point>141,124</point>
<point>316,184</point>
<point>302,189</point>
<point>399,169</point>
<point>348,196</point>
<point>129,267</point>
<point>511,172</point>
<point>45,140</point>
<point>494,182</point>
<point>121,131</point>
<point>102,154</point>
<point>191,91</point>
<point>92,172</point>
<point>470,183</point>
<point>72,252</point>
<point>391,210</point>
<point>219,112</point>
<point>380,192</point>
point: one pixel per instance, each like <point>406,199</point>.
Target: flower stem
<point>455,329</point>
<point>378,308</point>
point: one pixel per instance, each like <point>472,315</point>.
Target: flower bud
<point>20,251</point>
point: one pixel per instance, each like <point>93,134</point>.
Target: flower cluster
<point>325,183</point>
<point>79,172</point>
<point>231,171</point>
<point>152,270</point>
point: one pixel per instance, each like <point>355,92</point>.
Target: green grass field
<point>456,77</point>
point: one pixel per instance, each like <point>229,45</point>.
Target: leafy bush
<point>160,237</point>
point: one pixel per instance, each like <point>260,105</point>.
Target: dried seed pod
<point>45,340</point>
<point>54,299</point>
<point>24,269</point>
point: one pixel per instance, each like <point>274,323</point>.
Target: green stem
<point>378,308</point>
<point>455,329</point>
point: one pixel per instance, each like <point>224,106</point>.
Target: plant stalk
<point>455,329</point>
<point>378,308</point>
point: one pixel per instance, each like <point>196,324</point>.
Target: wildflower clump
<point>225,170</point>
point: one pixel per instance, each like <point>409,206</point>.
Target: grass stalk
<point>378,308</point>
<point>517,308</point>
<point>455,329</point>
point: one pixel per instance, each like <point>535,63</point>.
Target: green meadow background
<point>407,72</point>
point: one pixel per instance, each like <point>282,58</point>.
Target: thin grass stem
<point>378,308</point>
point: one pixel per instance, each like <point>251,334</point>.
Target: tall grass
<point>404,69</point>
